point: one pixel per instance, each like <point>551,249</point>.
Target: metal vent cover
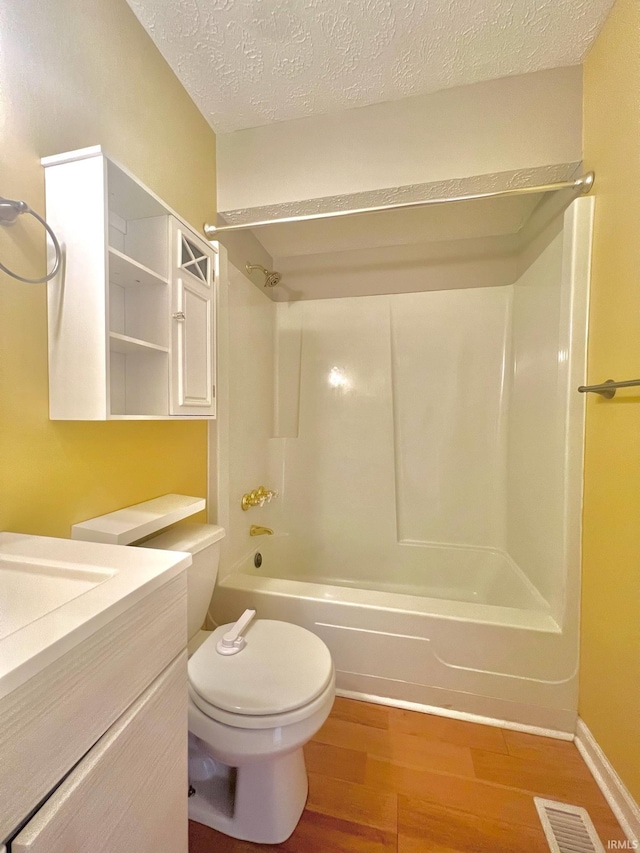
<point>569,829</point>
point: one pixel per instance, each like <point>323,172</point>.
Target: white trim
<point>72,156</point>
<point>454,715</point>
<point>617,795</point>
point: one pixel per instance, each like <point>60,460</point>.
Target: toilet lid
<point>281,668</point>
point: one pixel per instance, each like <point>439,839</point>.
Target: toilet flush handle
<point>233,642</point>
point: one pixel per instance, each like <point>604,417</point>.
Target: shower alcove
<point>409,388</point>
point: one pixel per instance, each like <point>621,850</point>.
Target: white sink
<point>54,593</point>
<point>30,590</point>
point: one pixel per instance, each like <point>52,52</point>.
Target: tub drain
<point>257,560</point>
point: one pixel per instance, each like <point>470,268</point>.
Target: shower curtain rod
<point>581,185</point>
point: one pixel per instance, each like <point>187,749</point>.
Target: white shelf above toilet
<point>132,523</point>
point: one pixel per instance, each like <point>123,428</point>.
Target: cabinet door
<point>192,334</point>
<point>129,793</point>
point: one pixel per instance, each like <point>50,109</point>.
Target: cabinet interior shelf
<point>126,345</point>
<point>126,272</point>
<point>144,418</point>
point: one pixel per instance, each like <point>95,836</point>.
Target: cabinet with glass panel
<point>132,312</point>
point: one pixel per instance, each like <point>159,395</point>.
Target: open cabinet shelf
<point>131,315</point>
<point>127,272</point>
<point>125,345</point>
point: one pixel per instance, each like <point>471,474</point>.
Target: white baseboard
<point>455,715</point>
<point>622,803</point>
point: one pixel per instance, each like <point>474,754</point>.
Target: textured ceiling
<point>252,62</point>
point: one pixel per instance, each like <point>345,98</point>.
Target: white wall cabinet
<point>131,313</point>
<point>192,312</point>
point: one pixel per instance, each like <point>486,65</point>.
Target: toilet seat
<point>265,721</point>
<point>280,676</point>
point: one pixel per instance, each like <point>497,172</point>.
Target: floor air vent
<point>568,828</point>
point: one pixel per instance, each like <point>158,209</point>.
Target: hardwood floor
<point>384,780</point>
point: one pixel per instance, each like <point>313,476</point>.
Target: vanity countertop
<point>54,593</point>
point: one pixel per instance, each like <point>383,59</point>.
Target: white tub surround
<point>427,449</point>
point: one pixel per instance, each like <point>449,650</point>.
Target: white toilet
<point>252,706</point>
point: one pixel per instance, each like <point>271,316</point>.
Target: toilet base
<point>263,806</point>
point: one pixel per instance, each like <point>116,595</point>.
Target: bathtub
<point>445,629</point>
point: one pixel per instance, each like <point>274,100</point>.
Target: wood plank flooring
<point>385,780</point>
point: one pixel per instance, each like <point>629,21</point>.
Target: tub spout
<point>256,530</point>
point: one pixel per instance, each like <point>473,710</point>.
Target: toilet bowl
<point>251,711</point>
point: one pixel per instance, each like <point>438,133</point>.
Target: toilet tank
<point>203,542</point>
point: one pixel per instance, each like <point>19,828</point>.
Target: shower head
<point>271,277</point>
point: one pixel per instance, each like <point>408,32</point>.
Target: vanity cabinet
<point>131,313</point>
<point>129,791</point>
<point>93,748</point>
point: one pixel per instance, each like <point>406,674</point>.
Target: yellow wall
<point>75,73</point>
<point>610,653</point>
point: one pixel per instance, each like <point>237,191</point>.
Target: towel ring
<point>9,211</point>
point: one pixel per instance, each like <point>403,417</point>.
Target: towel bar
<point>608,389</point>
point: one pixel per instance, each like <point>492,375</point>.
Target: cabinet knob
<point>179,315</point>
